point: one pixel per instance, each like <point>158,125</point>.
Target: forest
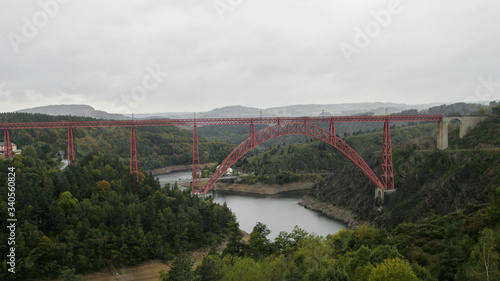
<point>461,246</point>
<point>95,215</point>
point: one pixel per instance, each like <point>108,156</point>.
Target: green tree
<point>335,273</point>
<point>298,269</point>
<point>247,269</point>
<point>210,268</point>
<point>496,110</point>
<point>393,270</point>
<point>69,275</point>
<point>180,270</point>
<point>288,241</point>
<point>340,241</point>
<point>381,253</point>
<point>487,255</point>
<point>29,151</point>
<point>368,236</point>
<point>259,245</point>
<point>234,245</point>
<point>484,261</point>
<point>67,202</point>
<point>360,258</point>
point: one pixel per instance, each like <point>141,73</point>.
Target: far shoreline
<point>176,168</point>
<point>258,188</point>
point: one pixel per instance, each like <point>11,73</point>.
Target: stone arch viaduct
<point>467,123</point>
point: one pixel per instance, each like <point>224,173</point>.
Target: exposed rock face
<point>337,213</point>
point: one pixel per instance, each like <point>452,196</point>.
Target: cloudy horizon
<point>186,56</point>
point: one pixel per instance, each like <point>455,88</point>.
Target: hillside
<point>428,181</point>
<point>74,110</point>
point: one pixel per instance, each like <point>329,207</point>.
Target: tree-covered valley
<point>442,223</point>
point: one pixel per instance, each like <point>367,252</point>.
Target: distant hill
<point>344,109</point>
<point>376,108</point>
<point>74,110</point>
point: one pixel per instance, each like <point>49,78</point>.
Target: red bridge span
<point>280,126</point>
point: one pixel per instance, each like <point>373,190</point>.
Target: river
<point>279,212</point>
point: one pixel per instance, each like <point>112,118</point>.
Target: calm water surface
<point>278,212</point>
<point>174,177</point>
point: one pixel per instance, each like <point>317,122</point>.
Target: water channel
<point>278,212</point>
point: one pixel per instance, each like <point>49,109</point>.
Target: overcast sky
<point>148,56</point>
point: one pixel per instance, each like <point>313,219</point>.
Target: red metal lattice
<point>134,162</point>
<point>8,153</point>
<point>217,121</point>
<point>71,147</point>
<point>290,123</point>
<point>196,185</point>
<point>289,129</point>
<point>387,168</point>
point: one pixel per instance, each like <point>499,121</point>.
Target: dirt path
<point>149,271</point>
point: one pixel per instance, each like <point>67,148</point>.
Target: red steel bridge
<point>279,126</point>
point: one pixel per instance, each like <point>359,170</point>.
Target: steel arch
<point>292,129</point>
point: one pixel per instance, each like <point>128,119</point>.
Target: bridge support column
<point>387,168</point>
<point>252,134</point>
<point>71,146</point>
<point>379,193</point>
<point>134,162</point>
<point>442,135</point>
<point>196,184</point>
<point>332,133</point>
<point>7,144</point>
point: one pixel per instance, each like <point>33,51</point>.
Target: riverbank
<point>177,168</point>
<point>261,188</point>
<point>331,211</point>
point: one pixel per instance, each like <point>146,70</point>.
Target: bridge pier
<point>71,147</point>
<point>196,186</point>
<point>387,173</point>
<point>379,193</point>
<point>134,162</point>
<point>8,153</point>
